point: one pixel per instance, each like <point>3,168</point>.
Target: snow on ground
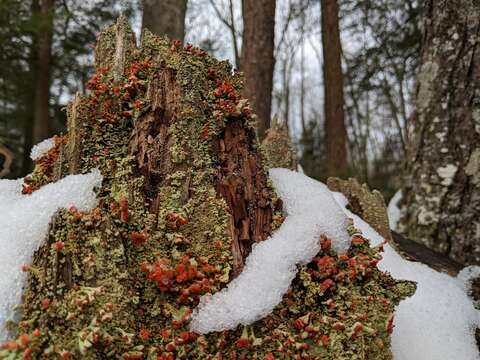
<point>24,225</point>
<point>438,322</point>
<point>394,210</point>
<point>271,266</point>
<point>41,149</point>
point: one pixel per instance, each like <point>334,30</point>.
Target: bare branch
<point>230,24</point>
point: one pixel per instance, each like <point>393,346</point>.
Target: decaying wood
<point>73,141</point>
<point>240,179</point>
<point>107,55</point>
<point>151,138</point>
<point>242,183</point>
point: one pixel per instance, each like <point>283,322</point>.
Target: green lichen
<point>278,148</point>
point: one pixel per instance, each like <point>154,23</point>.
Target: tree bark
<point>335,130</point>
<point>258,60</point>
<point>165,17</point>
<point>442,181</point>
<point>41,117</point>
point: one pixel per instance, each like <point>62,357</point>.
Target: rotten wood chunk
<point>151,138</point>
<point>243,184</point>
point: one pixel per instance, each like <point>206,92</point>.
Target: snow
<point>271,266</point>
<point>41,149</point>
<point>394,210</point>
<point>24,225</point>
<point>439,320</point>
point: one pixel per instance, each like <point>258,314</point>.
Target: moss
<point>121,280</point>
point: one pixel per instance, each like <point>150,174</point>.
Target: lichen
<point>369,205</point>
<point>278,149</point>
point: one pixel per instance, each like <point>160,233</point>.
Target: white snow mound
<point>438,322</point>
<point>41,149</point>
<point>270,268</point>
<point>24,225</point>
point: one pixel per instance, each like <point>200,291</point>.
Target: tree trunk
<point>258,59</point>
<point>165,17</point>
<point>184,197</point>
<point>335,130</point>
<point>41,122</point>
<point>442,182</point>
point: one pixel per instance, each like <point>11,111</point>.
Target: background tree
<point>380,63</point>
<point>42,53</point>
<point>165,17</point>
<point>257,61</point>
<point>442,180</point>
<point>335,130</point>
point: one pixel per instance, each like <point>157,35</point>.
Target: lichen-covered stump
<point>184,196</point>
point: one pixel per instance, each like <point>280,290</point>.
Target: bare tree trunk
<point>165,17</point>
<point>41,117</point>
<point>335,130</point>
<point>302,75</point>
<point>257,58</point>
<point>442,182</point>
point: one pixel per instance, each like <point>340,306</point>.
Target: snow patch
<point>394,210</point>
<point>439,320</point>
<point>269,269</point>
<point>41,149</point>
<point>24,225</point>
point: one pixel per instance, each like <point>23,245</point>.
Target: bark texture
<point>165,17</point>
<point>335,130</point>
<point>41,117</point>
<point>442,185</point>
<point>258,60</point>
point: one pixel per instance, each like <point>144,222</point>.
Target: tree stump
<point>184,197</point>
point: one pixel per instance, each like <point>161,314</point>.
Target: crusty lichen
<point>278,148</point>
<point>121,280</point>
<point>369,205</point>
